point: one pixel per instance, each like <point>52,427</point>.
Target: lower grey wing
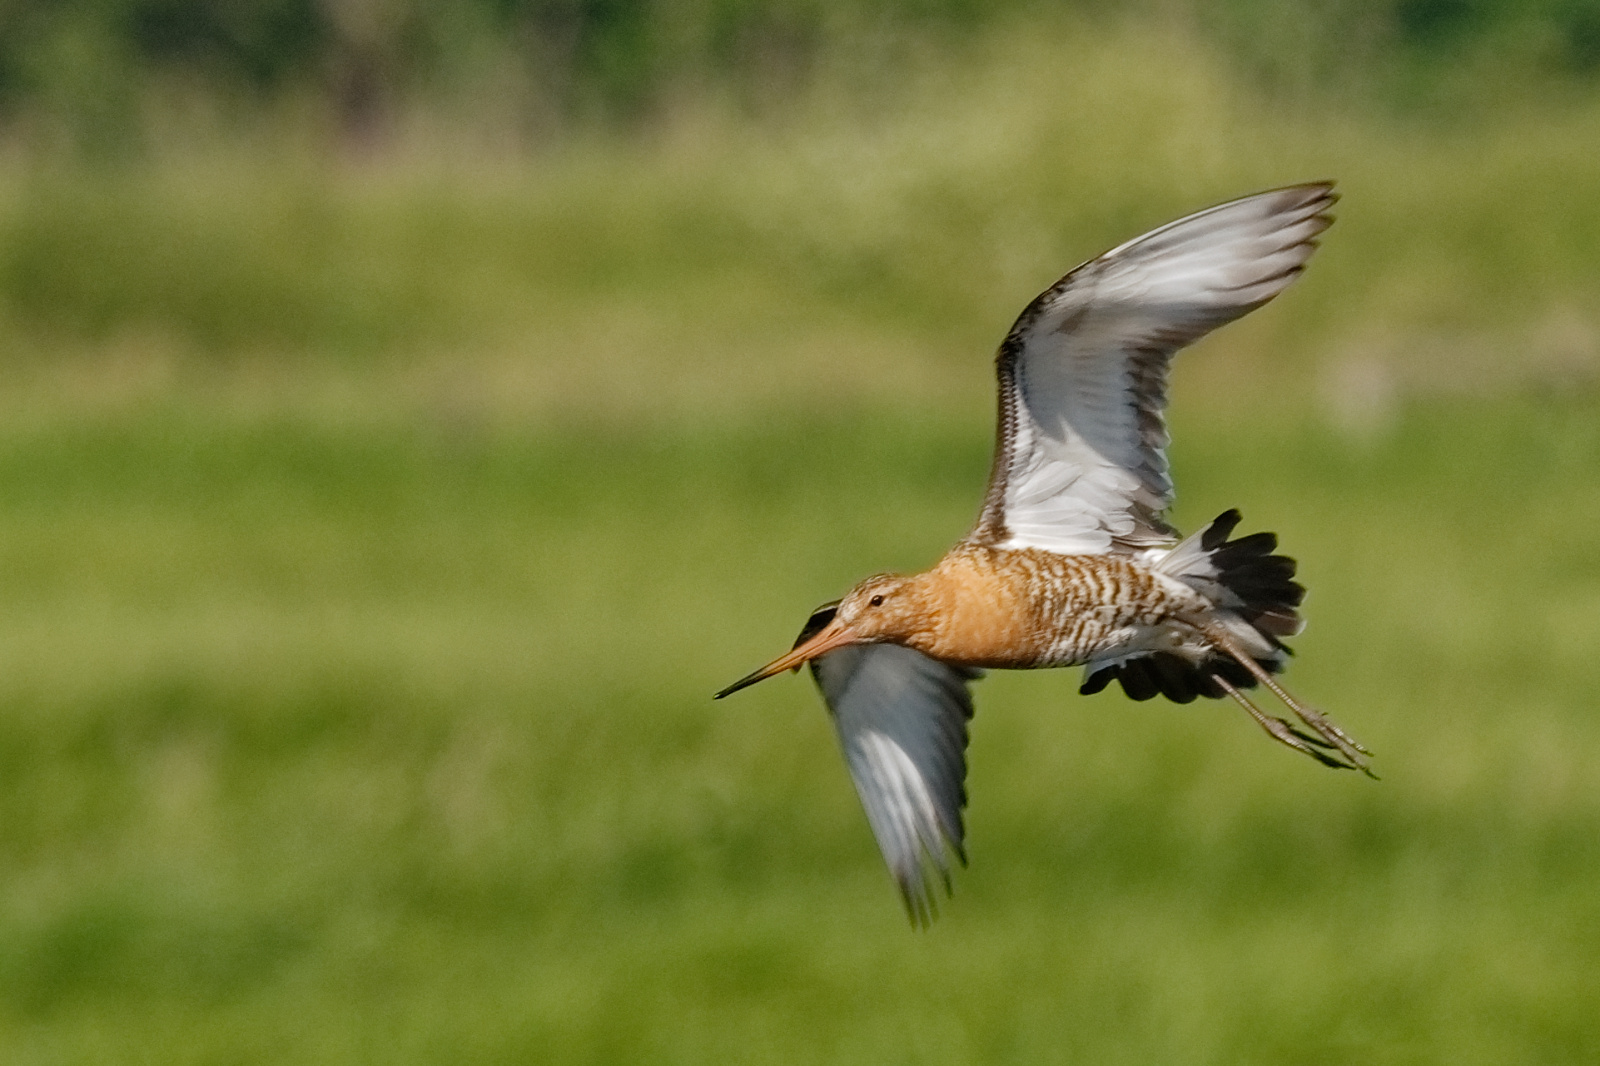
<point>902,722</point>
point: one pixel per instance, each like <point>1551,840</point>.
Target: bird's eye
<point>877,601</point>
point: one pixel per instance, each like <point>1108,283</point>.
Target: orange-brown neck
<point>981,614</point>
<point>975,607</point>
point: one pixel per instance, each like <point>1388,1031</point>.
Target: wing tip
<point>1325,196</point>
<point>1323,190</point>
<point>919,891</point>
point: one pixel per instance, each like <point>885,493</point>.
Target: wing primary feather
<point>902,720</point>
<point>1080,460</point>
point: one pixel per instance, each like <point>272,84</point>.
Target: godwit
<point>1071,561</point>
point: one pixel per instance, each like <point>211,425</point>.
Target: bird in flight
<point>1072,562</point>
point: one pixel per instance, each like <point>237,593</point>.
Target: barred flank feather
<point>1243,579</point>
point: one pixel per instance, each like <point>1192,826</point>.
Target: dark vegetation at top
<point>97,74</point>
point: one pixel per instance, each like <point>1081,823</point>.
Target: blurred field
<point>373,536</point>
<point>396,745</point>
<point>863,250</point>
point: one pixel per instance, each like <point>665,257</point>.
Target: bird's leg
<point>1282,731</point>
<point>1335,737</point>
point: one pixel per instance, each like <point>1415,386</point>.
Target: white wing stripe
<point>890,775</point>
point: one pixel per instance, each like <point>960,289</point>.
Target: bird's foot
<point>1280,730</point>
<point>1335,738</point>
<point>1347,745</point>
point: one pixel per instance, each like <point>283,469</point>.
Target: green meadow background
<point>409,418</point>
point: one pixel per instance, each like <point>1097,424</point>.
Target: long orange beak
<point>833,635</point>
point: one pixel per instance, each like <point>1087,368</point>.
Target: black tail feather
<point>1269,598</point>
<point>1179,680</point>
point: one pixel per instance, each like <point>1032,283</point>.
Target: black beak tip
<point>743,682</point>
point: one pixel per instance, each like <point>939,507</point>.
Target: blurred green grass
<point>373,536</point>
<point>724,263</point>
<point>324,745</point>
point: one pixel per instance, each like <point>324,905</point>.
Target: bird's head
<point>883,608</point>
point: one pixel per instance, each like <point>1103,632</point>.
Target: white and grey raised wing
<point>902,721</point>
<point>1080,463</point>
